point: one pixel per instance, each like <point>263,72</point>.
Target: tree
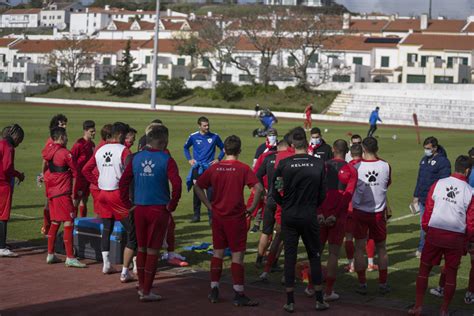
<point>72,57</point>
<point>121,82</point>
<point>188,47</point>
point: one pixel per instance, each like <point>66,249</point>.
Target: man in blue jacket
<point>204,145</point>
<point>434,165</point>
<point>374,118</point>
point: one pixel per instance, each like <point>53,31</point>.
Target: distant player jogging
<point>374,118</point>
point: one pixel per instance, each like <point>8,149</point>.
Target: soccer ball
<point>326,130</point>
<point>394,137</point>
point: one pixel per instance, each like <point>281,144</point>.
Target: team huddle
<point>326,195</point>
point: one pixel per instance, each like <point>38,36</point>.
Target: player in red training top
<point>228,178</point>
<point>130,138</point>
<point>59,183</point>
<point>82,151</point>
<point>341,180</point>
<point>307,112</point>
<point>448,221</point>
<point>370,213</point>
<point>59,120</point>
<point>110,162</point>
<point>12,137</point>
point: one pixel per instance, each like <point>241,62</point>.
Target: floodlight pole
<point>155,56</point>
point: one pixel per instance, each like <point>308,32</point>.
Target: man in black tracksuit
<point>299,183</point>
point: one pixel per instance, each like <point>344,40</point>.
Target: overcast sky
<point>450,8</point>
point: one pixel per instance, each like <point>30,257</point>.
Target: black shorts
<point>269,216</point>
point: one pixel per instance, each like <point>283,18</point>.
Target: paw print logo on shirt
<point>452,192</point>
<point>108,156</point>
<point>148,166</point>
<point>372,176</point>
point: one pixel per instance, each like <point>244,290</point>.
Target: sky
<point>459,9</point>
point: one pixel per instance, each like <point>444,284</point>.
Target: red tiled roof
<point>172,26</point>
<point>4,42</point>
<point>441,26</point>
<point>441,42</point>
<point>367,25</point>
<point>164,46</point>
<point>23,11</point>
<point>403,25</point>
<point>470,28</point>
<point>354,43</point>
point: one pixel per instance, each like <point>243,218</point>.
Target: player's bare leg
<point>333,257</point>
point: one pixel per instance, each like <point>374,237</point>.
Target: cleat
<point>290,308</point>
<point>263,277</point>
<point>139,292</point>
<point>74,263</point>
<point>309,292</point>
<point>195,220</point>
<point>469,298</point>
<point>437,291</point>
<point>214,295</point>
<point>362,289</point>
<point>349,268</point>
<point>126,277</point>
<point>242,300</point>
<point>321,306</point>
<point>372,268</point>
<point>52,259</point>
<point>178,263</point>
<point>331,297</point>
<point>152,297</point>
<point>384,289</point>
<point>7,253</point>
<point>255,229</point>
<point>416,311</point>
<point>108,269</point>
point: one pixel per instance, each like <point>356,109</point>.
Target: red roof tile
<point>441,42</point>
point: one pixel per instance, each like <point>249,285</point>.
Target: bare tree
<point>71,57</point>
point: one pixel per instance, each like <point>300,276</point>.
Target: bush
<point>172,89</point>
<point>229,91</point>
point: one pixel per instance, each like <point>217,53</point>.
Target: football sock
<point>442,277</point>
<point>150,270</point>
<point>53,230</point>
<point>68,241</point>
<point>3,234</point>
<point>46,221</point>
<point>83,210</point>
<point>170,239</point>
<point>141,259</point>
<point>290,297</point>
<point>361,277</point>
<point>329,285</point>
<point>216,269</point>
<point>259,259</point>
<point>449,287</point>
<point>383,276</point>
<point>471,278</point>
<point>370,261</point>
<point>105,258</point>
<point>269,263</point>
<point>422,283</point>
<point>370,248</point>
<point>238,273</point>
<point>349,245</point>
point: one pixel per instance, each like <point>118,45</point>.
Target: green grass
<point>403,154</point>
<point>293,101</point>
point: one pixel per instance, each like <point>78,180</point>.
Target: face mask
<point>272,140</point>
<point>428,153</point>
<point>315,141</point>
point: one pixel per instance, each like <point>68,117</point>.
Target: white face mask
<point>272,140</point>
<point>428,152</point>
<point>315,141</point>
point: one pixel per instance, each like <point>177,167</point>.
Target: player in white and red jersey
<point>448,222</point>
<point>369,205</point>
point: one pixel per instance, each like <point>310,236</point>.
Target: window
<point>245,78</point>
<point>164,66</point>
<point>313,60</point>
<point>424,59</point>
<point>357,60</point>
<point>148,60</point>
<point>341,78</point>
<point>291,61</point>
<point>385,62</point>
<point>181,62</point>
<point>205,62</point>
<point>443,79</point>
<point>106,61</point>
<point>412,59</point>
<point>450,62</point>
<point>464,61</point>
<point>416,79</point>
<point>44,17</point>
<point>225,77</point>
<point>83,76</point>
<point>59,17</point>
<point>139,77</point>
<point>95,24</point>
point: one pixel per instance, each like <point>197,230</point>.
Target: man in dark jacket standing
<point>318,147</point>
<point>434,165</point>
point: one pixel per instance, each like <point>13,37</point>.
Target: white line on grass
<point>401,218</point>
<point>23,216</point>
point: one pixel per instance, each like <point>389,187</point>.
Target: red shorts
<point>151,223</point>
<point>95,199</point>
<point>432,255</point>
<point>260,205</point>
<point>81,188</point>
<point>6,193</point>
<point>61,209</point>
<point>111,206</point>
<point>334,235</point>
<point>372,225</point>
<point>230,233</point>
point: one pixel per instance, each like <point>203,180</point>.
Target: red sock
<point>349,244</point>
<point>471,278</point>
<point>449,288</point>
<point>150,271</point>
<point>68,241</point>
<point>361,277</point>
<point>370,248</point>
<point>238,273</point>
<point>216,269</point>
<point>52,232</point>
<point>83,210</point>
<point>269,263</point>
<point>383,276</point>
<point>170,235</point>
<point>46,221</point>
<point>330,284</point>
<point>442,277</point>
<point>141,259</point>
<point>422,284</point>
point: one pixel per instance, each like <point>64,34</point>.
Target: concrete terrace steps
<point>339,105</point>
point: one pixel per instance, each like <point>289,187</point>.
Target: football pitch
<point>402,152</point>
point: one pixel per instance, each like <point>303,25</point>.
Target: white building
<point>59,14</point>
<point>20,18</point>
